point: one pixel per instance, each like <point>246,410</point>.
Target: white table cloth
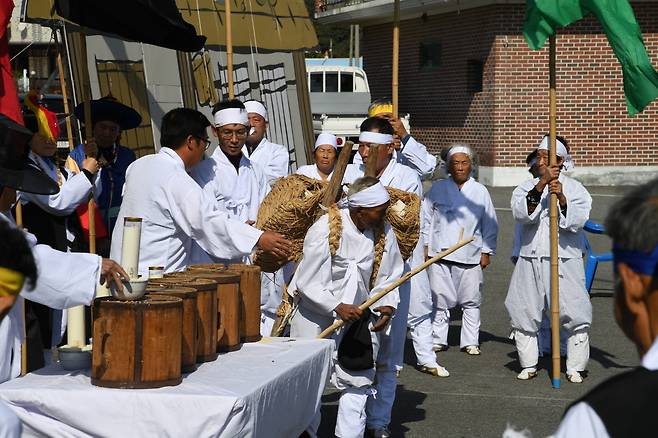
<point>265,389</point>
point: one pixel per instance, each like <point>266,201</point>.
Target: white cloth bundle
<point>561,151</point>
<point>326,138</point>
<point>373,196</point>
<point>230,116</point>
<point>375,137</point>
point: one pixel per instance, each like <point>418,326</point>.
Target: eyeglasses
<point>205,140</point>
<point>227,134</point>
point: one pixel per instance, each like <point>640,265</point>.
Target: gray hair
<point>632,222</point>
<point>361,184</point>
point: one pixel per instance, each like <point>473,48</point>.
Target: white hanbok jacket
<point>535,231</point>
<point>311,171</point>
<point>323,281</point>
<point>65,280</point>
<point>272,158</point>
<point>176,212</point>
<point>447,210</point>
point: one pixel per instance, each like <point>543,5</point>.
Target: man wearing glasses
<point>177,214</point>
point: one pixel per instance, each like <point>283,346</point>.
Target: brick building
<point>467,75</point>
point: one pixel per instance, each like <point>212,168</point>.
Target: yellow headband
<point>379,109</point>
<point>11,282</point>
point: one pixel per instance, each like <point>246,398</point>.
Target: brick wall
<point>510,114</point>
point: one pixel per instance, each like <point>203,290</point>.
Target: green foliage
<point>325,33</point>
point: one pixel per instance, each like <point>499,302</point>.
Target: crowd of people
<point>200,208</point>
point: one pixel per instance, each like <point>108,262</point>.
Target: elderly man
<point>176,212</point>
<point>529,290</point>
<point>331,281</point>
<point>273,158</point>
<point>625,405</point>
<point>415,297</point>
<point>455,207</point>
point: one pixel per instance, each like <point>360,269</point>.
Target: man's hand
<point>555,187</point>
<point>274,243</point>
<point>112,271</point>
<point>348,312</point>
<point>91,165</point>
<point>386,314</point>
<point>398,126</point>
<point>91,148</point>
<point>485,259</point>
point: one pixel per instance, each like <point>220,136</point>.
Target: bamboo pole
<point>379,295</point>
<point>19,222</point>
<point>333,191</point>
<point>396,56</point>
<point>229,50</point>
<point>555,287</point>
<point>65,93</point>
<point>373,158</point>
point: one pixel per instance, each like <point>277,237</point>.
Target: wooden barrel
<point>249,301</point>
<point>137,344</point>
<point>190,323</point>
<point>206,305</point>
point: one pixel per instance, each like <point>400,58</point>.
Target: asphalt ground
<point>482,395</point>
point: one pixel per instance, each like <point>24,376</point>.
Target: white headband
<point>326,138</point>
<point>373,196</point>
<point>460,150</point>
<point>561,151</point>
<point>253,106</point>
<point>375,138</point>
<point>230,116</point>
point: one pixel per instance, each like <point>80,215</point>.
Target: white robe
<point>65,280</point>
<point>176,212</point>
<point>10,425</point>
<point>273,159</point>
<point>412,154</point>
<point>311,171</point>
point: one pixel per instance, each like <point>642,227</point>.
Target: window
<point>346,82</point>
<point>429,55</point>
<point>474,75</point>
<point>331,82</point>
<point>316,82</point>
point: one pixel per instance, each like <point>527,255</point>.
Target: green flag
<point>544,17</point>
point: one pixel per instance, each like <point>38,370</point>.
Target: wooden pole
<point>19,222</point>
<point>229,50</point>
<point>371,163</point>
<point>332,193</point>
<point>376,297</point>
<point>555,289</point>
<point>396,56</point>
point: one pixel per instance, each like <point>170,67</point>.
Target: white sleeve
<point>426,208</point>
<point>581,421</point>
<point>390,269</point>
<point>489,226</point>
<point>415,156</point>
<point>10,425</point>
<point>520,205</point>
<point>73,192</point>
<point>194,213</point>
<point>66,279</point>
<point>277,166</point>
<point>579,204</point>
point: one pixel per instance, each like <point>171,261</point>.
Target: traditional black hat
<point>15,170</point>
<point>108,108</point>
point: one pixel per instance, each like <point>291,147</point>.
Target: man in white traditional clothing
<point>175,211</point>
<point>528,296</point>
<point>345,262</point>
<point>454,208</point>
<point>273,158</point>
<point>408,151</point>
<point>325,153</point>
<point>625,405</point>
<point>415,306</point>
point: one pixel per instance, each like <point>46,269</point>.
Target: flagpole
<point>396,56</point>
<point>555,289</point>
<point>229,49</point>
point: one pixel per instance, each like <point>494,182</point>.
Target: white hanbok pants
<point>456,285</point>
<point>529,296</point>
<point>10,425</point>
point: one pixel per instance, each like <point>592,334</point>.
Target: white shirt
<point>273,159</point>
<point>394,175</point>
<point>65,280</point>
<point>176,212</point>
<point>447,211</point>
<point>413,155</point>
<point>324,281</point>
<point>535,231</point>
<point>311,171</point>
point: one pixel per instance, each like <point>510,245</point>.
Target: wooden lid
<point>147,301</point>
<point>199,284</point>
<point>180,292</point>
<point>241,267</point>
<point>207,267</point>
<point>224,277</point>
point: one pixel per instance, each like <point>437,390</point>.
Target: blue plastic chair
<point>593,259</point>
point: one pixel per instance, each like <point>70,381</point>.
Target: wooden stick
<point>371,163</point>
<point>19,222</point>
<point>555,287</point>
<point>396,56</point>
<point>65,98</point>
<point>229,49</point>
<point>336,182</point>
<point>372,300</point>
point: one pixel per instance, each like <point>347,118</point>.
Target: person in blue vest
<point>109,118</point>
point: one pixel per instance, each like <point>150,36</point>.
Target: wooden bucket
<point>137,344</point>
<point>249,301</point>
<point>206,305</point>
<point>190,323</point>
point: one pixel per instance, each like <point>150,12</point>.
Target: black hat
<point>108,108</point>
<point>15,170</point>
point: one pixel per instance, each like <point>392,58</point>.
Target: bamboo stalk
<point>335,183</point>
<point>555,287</point>
<point>371,163</point>
<point>229,50</point>
<point>379,295</point>
<point>396,56</point>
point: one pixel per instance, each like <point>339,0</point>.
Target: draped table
<point>266,389</point>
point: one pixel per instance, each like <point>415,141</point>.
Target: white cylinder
<point>132,231</point>
<point>75,333</point>
<point>156,272</point>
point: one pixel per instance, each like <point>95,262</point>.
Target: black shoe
<point>379,433</point>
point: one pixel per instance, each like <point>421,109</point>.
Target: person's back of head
<point>180,123</point>
<point>17,266</point>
